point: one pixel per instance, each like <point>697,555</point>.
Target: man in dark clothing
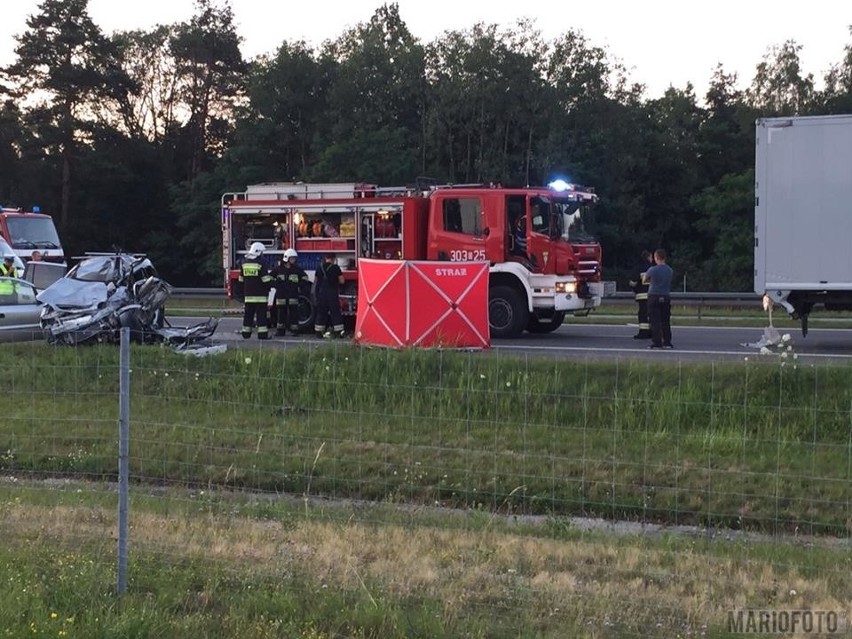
<point>659,278</point>
<point>519,234</point>
<point>640,295</point>
<point>271,307</point>
<point>255,278</point>
<point>288,279</point>
<point>327,281</point>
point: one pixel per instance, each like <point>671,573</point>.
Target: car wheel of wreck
<point>159,318</point>
<point>132,321</point>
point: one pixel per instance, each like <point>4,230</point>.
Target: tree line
<point>129,139</point>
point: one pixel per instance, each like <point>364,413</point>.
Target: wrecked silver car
<point>105,293</point>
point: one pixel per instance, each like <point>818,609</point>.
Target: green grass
<point>227,565</point>
<point>202,307</point>
<point>736,445</point>
<point>305,493</point>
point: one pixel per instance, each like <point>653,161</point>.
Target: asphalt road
<point>612,342</point>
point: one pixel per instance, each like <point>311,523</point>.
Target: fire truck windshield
<point>30,232</point>
<point>577,222</point>
<point>545,217</point>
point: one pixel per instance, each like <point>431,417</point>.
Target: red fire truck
<point>542,263</point>
<point>27,232</point>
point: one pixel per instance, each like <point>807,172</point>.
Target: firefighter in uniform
<point>255,279</point>
<point>271,309</point>
<point>7,268</point>
<point>288,280</point>
<point>7,287</point>
<point>640,295</point>
<point>328,279</point>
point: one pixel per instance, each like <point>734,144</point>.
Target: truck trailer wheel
<point>507,312</point>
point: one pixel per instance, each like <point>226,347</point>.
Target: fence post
<point>123,455</point>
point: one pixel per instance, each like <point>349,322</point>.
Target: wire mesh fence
<point>341,491</point>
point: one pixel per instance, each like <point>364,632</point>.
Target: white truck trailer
<point>803,213</point>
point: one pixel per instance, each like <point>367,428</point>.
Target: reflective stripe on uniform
<point>256,299</point>
<point>640,297</point>
<point>249,269</point>
<point>7,287</point>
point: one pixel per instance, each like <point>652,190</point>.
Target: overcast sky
<point>662,42</point>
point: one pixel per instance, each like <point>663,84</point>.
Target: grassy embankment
<point>743,445</point>
<point>221,566</point>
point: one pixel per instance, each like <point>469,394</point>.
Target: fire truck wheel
<point>507,312</point>
<point>306,314</point>
<point>349,322</point>
<point>546,324</point>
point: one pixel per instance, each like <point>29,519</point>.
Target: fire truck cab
<point>30,231</point>
<point>542,266</point>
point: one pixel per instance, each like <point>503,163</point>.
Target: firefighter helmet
<point>256,249</point>
<point>290,252</point>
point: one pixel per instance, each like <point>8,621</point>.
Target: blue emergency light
<point>561,185</point>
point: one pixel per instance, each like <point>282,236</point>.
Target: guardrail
<point>705,299</point>
<point>697,303</point>
<point>621,297</point>
<point>198,292</point>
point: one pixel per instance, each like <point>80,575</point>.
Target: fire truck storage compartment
<point>270,229</point>
<point>323,231</point>
<point>381,234</point>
